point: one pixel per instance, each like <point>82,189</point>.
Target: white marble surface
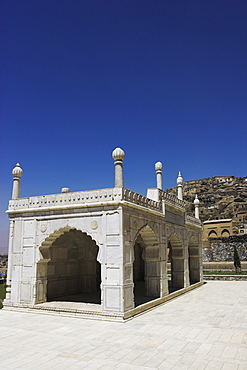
<point>112,218</point>
<point>89,241</point>
<point>204,329</point>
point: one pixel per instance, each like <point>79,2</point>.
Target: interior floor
<point>140,294</point>
<point>93,298</point>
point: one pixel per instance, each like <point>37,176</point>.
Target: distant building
<point>216,229</point>
<point>224,178</point>
<point>243,230</point>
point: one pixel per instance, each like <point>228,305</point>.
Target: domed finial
<point>118,156</point>
<point>158,169</point>
<point>65,190</point>
<point>196,203</point>
<point>17,173</point>
<point>158,166</point>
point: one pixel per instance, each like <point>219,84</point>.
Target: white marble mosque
<point>108,253</point>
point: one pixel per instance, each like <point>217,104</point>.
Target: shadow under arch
<point>69,269</point>
<point>176,258</point>
<point>194,260</point>
<point>225,233</point>
<point>212,234</point>
<point>146,266</point>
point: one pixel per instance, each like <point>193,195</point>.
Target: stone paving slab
<point>203,329</point>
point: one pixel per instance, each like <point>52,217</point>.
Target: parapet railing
<point>62,199</point>
<point>171,199</point>
<point>192,220</point>
<point>132,197</point>
<point>102,196</point>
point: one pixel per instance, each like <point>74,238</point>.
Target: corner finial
<point>118,156</point>
<point>17,174</point>
<point>158,168</point>
<point>180,186</point>
<point>196,203</point>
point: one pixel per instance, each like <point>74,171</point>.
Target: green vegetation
<point>224,272</point>
<point>2,294</point>
<point>237,262</point>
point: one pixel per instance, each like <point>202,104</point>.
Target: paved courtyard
<point>203,329</point>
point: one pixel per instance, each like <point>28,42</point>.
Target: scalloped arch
<point>148,235</point>
<point>48,242</point>
<point>193,241</point>
<point>174,239</point>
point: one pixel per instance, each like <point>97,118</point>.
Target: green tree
<point>237,262</point>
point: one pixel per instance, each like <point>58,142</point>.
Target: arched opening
<point>146,267</point>
<point>176,258</point>
<point>194,261</point>
<point>212,234</point>
<point>225,233</point>
<point>69,270</point>
<point>139,274</point>
<point>139,263</point>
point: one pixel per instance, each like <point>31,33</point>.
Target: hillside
<point>220,197</point>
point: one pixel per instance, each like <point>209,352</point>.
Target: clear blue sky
<point>164,80</point>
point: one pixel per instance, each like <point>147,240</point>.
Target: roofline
<point>214,221</point>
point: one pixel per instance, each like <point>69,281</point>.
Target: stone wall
<point>225,278</point>
<point>223,250</point>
